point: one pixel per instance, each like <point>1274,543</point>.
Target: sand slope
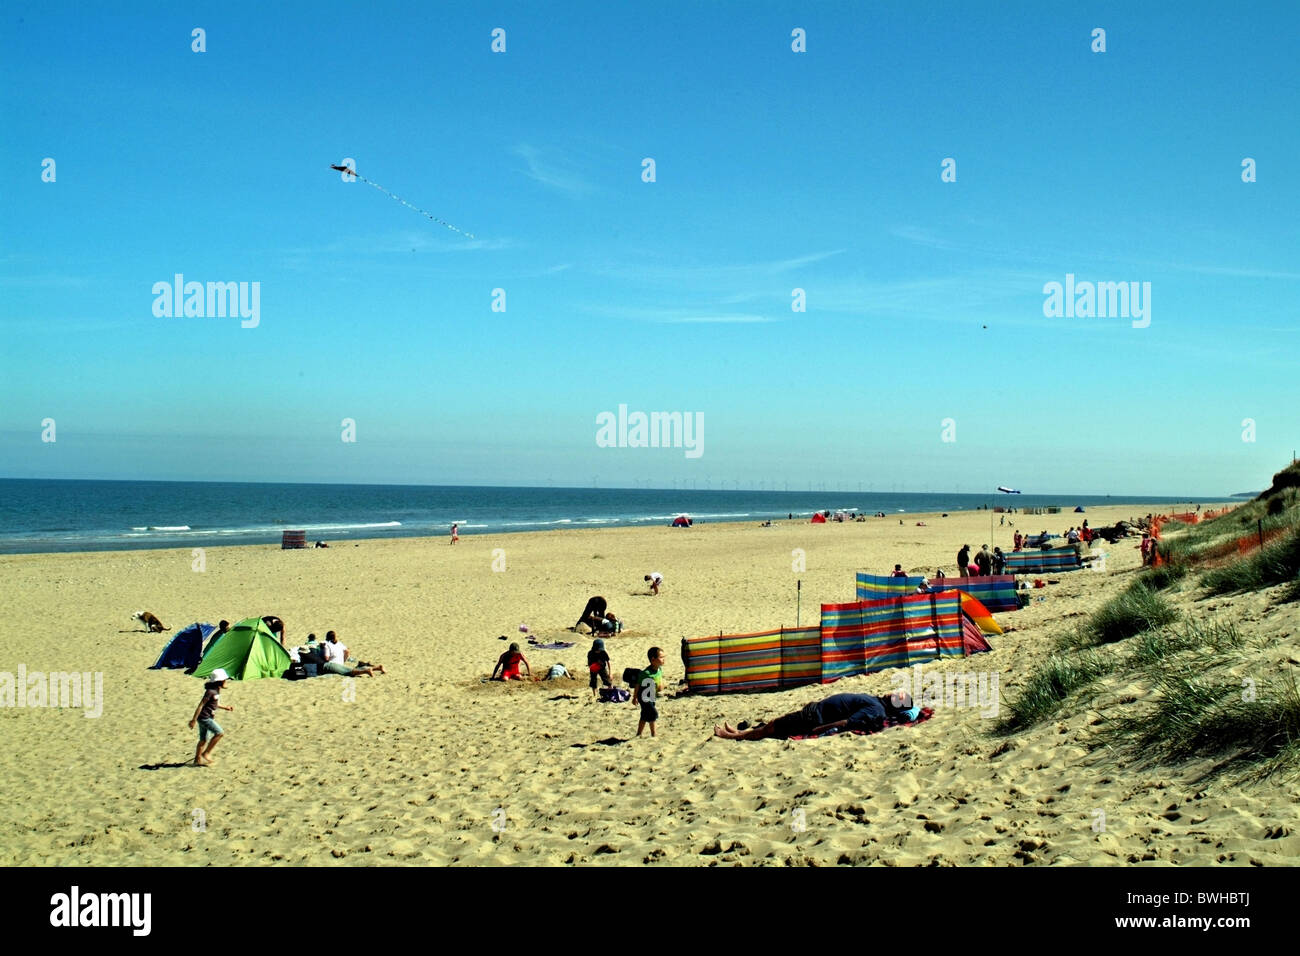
<point>430,765</point>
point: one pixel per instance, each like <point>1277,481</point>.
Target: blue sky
<point>775,170</point>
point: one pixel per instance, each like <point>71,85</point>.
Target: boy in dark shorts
<point>205,716</point>
<point>647,689</point>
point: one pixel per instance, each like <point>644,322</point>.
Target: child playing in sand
<point>509,663</point>
<point>648,687</point>
<point>598,664</point>
<point>655,579</point>
<point>204,717</point>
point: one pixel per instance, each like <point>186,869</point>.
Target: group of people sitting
<point>331,657</point>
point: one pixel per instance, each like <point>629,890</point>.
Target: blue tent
<point>186,648</point>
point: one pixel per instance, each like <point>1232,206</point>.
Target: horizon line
<point>549,487</point>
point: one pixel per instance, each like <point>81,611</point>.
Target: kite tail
<point>428,215</point>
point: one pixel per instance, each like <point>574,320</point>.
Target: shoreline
<point>467,534</point>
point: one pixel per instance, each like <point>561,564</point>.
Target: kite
<point>1009,491</point>
<point>427,215</point>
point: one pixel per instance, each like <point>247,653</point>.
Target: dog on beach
<point>151,623</point>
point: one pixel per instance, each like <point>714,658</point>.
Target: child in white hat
<point>205,715</point>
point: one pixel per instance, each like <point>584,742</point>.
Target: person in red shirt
<point>509,663</point>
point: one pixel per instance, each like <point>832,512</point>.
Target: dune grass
<point>1275,563</point>
<point>1136,609</point>
<point>1164,576</point>
<point>1156,647</point>
<point>1199,713</point>
<point>1048,687</point>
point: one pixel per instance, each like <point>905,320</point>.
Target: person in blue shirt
<point>838,712</point>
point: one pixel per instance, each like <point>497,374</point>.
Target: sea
<point>47,515</point>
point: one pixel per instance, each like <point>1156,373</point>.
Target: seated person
<point>336,656</point>
<point>509,664</point>
<point>837,712</point>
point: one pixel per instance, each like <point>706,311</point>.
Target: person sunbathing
<point>837,712</point>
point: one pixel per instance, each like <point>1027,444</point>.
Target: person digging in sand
<point>509,664</point>
<point>204,716</point>
<point>839,711</point>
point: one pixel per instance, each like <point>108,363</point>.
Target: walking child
<point>204,716</point>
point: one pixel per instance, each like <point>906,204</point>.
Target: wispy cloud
<point>714,273</point>
<point>44,281</point>
<point>395,243</point>
<point>723,319</point>
<point>922,237</point>
<point>681,315</point>
<point>551,170</point>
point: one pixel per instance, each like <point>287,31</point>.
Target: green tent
<point>248,651</point>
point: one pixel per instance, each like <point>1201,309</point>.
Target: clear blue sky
<point>775,170</point>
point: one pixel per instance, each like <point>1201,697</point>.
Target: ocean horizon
<point>60,515</point>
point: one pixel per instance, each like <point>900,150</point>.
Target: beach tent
<point>682,521</point>
<point>818,518</point>
<point>185,648</point>
<point>248,651</point>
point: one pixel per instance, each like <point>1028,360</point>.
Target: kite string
<point>429,215</point>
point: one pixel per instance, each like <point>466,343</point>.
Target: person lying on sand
<point>839,711</point>
<point>336,655</point>
<point>509,664</point>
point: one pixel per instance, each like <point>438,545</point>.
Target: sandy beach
<point>431,765</point>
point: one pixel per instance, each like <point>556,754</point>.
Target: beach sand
<point>431,765</point>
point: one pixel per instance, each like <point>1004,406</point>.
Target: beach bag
<point>614,695</point>
<point>296,672</point>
